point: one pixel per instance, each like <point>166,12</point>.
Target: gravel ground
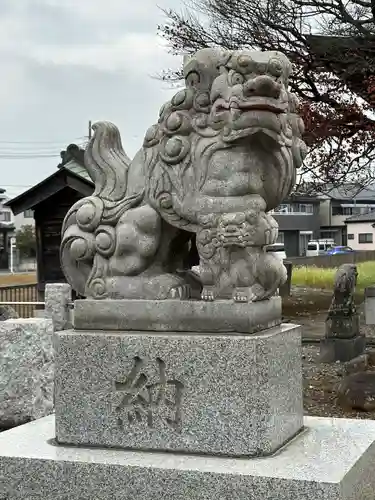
<point>320,381</point>
<point>308,307</point>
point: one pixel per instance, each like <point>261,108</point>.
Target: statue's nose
<point>262,86</point>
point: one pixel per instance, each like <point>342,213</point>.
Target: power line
<point>12,149</point>
<point>45,142</point>
<point>28,156</point>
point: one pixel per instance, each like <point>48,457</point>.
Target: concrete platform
<point>332,460</point>
<point>177,315</point>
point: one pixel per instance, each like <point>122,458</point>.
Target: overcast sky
<point>65,62</point>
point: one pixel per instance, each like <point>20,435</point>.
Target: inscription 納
<point>143,401</point>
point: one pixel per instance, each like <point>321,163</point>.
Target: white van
<point>278,250</point>
<point>318,247</point>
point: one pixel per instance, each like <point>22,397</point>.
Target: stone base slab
<point>177,315</point>
<point>236,395</point>
<point>335,349</point>
<point>331,460</point>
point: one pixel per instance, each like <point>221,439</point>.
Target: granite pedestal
<point>331,460</point>
<point>336,349</point>
<point>236,395</point>
<point>218,316</point>
<point>343,340</point>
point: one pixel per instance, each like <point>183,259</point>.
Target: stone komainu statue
<point>343,291</point>
<point>223,153</point>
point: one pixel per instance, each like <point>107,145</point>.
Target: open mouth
<point>254,104</point>
<point>230,237</point>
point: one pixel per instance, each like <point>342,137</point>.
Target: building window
<point>328,235</point>
<point>282,209</point>
<point>303,208</point>
<point>295,208</point>
<point>5,216</point>
<point>28,214</point>
<point>365,238</point>
<point>350,236</point>
<point>352,209</point>
<point>349,211</point>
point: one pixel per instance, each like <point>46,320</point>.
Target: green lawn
<point>315,277</point>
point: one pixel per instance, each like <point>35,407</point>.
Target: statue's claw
<point>208,294</point>
<point>182,292</point>
<point>241,295</point>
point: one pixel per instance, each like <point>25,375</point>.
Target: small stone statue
<point>223,153</point>
<point>343,340</point>
<point>343,291</point>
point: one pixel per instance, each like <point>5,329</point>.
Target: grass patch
<point>17,279</point>
<point>316,277</point>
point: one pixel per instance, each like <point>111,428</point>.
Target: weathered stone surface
<point>371,356</point>
<point>26,370</point>
<point>343,327</point>
<point>223,153</point>
<point>357,391</point>
<point>336,349</point>
<point>358,364</point>
<point>57,299</point>
<point>238,395</point>
<point>343,340</point>
<point>7,312</point>
<point>186,316</point>
<point>332,460</point>
<point>343,292</point>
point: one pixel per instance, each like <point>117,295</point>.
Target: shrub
<point>316,277</point>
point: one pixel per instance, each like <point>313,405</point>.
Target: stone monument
<point>173,387</point>
<point>343,340</point>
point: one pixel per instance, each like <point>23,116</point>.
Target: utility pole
<point>90,131</point>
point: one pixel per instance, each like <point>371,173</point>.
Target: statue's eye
<point>237,79</point>
<point>275,67</point>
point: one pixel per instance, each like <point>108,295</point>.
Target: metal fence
<point>332,261</point>
<point>21,293</point>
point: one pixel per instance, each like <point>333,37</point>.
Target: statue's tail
<point>108,166</point>
<point>91,221</point>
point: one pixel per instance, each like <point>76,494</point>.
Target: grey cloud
<point>53,98</point>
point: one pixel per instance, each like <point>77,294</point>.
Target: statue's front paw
<point>208,294</point>
<point>241,295</point>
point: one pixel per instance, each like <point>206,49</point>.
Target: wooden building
<point>50,200</point>
<point>6,231</point>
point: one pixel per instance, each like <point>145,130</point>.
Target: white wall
<point>20,220</point>
<point>356,228</point>
<point>3,209</point>
<point>338,220</point>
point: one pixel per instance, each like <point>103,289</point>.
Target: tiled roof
<point>350,192</point>
<point>78,169</point>
<point>368,217</point>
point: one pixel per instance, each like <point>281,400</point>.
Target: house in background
<point>25,218</point>
<point>338,205</point>
<point>6,230</point>
<point>49,202</point>
<point>298,219</point>
<point>361,231</point>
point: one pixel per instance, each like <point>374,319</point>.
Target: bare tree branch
<point>340,129</point>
